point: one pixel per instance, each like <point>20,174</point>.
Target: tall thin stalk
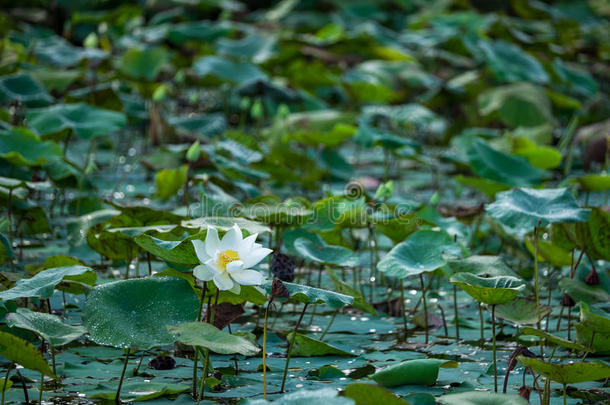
<point>493,340</point>
<point>265,349</point>
<point>289,349</point>
<point>536,284</point>
<point>423,292</point>
<point>372,266</point>
<point>9,207</point>
<point>196,354</point>
<point>403,309</point>
<point>481,321</point>
<point>207,351</point>
<point>8,371</point>
<point>51,348</point>
<point>205,373</point>
<point>456,315</point>
<point>117,397</point>
<point>41,389</point>
<point>332,319</point>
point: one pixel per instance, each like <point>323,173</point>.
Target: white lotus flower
<point>228,261</point>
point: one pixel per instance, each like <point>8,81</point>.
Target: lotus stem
<point>51,348</point>
<point>456,315</point>
<point>289,349</point>
<point>403,309</point>
<point>196,354</point>
<point>9,206</point>
<point>265,349</point>
<point>41,388</point>
<point>137,370</point>
<point>235,355</point>
<point>372,266</point>
<point>203,377</point>
<point>423,294</point>
<point>8,371</point>
<point>207,351</point>
<point>565,397</point>
<point>25,389</point>
<point>213,314</point>
<point>559,319</point>
<point>117,397</point>
<point>546,396</point>
<point>493,345</point>
<point>440,308</point>
<point>569,322</point>
<point>332,319</point>
<point>481,320</point>
<point>536,284</point>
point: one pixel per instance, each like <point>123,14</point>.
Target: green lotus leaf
<point>19,351</point>
<point>275,212</point>
<point>43,283</point>
<point>312,295</point>
<point>85,120</point>
<point>24,148</point>
<point>481,398</point>
<point>23,88</point>
<point>517,105</point>
<point>208,336</point>
<point>55,50</point>
<point>369,394</point>
<point>549,252</point>
<point>522,311</point>
<point>327,396</point>
<point>487,266</point>
<point>542,157</point>
<point>594,318</point>
<point>421,252</point>
<point>343,288</point>
<point>256,47</point>
<point>169,181</point>
<point>526,207</point>
<point>509,63</point>
<point>223,224</point>
<point>486,186</point>
<point>581,291</point>
<point>199,31</point>
<point>49,327</point>
<point>570,373</point>
<point>143,64</point>
<point>138,391</point>
<point>417,372</point>
<point>305,346</point>
<point>600,343</point>
<point>591,236</point>
<point>325,254</point>
<point>157,230</point>
<point>554,339</point>
<point>179,252</point>
<point>397,228</point>
<point>492,164</point>
<point>227,70</point>
<point>491,290</point>
<point>594,182</point>
<point>134,313</point>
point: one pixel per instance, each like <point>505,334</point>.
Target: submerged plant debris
<point>324,202</point>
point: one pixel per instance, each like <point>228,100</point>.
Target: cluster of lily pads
<point>325,202</point>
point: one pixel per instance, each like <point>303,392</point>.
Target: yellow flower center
<point>225,257</point>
